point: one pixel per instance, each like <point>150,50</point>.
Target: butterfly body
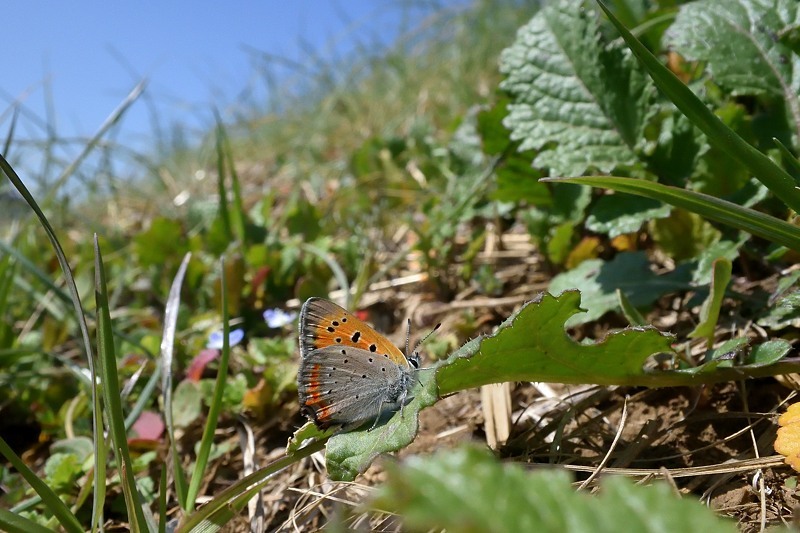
<point>349,373</point>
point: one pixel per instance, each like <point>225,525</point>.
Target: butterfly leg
<point>380,414</point>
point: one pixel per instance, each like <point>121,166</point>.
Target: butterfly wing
<point>346,386</point>
<point>323,324</point>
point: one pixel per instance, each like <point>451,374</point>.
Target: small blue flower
<point>215,339</point>
<point>277,318</point>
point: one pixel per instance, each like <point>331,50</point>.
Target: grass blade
<point>728,213</point>
<point>633,315</point>
<point>112,119</point>
<point>217,511</point>
<point>111,395</point>
<point>787,155</point>
<point>709,313</point>
<point>14,523</point>
<point>224,210</point>
<point>774,177</point>
<point>167,353</point>
<point>216,401</point>
<point>100,454</point>
<point>162,501</point>
<point>53,502</point>
<point>238,215</point>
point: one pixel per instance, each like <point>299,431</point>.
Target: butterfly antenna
<point>408,336</point>
<point>437,326</point>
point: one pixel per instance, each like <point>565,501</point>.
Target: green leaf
<point>762,167</point>
<point>533,346</point>
<point>736,216</point>
<point>683,235</point>
<point>629,272</point>
<point>737,41</point>
<point>187,403</point>
<point>723,249</point>
<point>709,313</point>
<point>768,353</point>
<point>349,454</point>
<point>729,356</point>
<point>306,432</point>
<point>579,102</point>
<point>100,454</point>
<point>784,314</point>
<point>616,214</point>
<point>469,490</point>
<point>56,506</point>
<point>517,180</point>
<point>61,470</point>
<point>162,241</point>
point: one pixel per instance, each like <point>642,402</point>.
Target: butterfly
<point>349,373</point>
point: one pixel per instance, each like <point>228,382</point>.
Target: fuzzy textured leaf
<point>469,490</point>
<point>579,101</point>
<point>737,41</point>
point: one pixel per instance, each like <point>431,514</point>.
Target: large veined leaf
<point>579,101</point>
<point>739,42</point>
<point>469,490</point>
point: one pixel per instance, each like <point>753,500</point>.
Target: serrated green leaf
<point>581,103</point>
<point>737,39</point>
<point>469,490</point>
<point>533,346</point>
<point>307,431</point>
<point>630,272</point>
<point>615,214</point>
<point>349,454</point>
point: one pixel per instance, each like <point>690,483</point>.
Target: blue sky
<point>88,55</point>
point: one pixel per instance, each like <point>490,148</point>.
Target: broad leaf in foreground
<point>469,490</point>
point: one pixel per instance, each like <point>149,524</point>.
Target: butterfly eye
<point>414,360</point>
